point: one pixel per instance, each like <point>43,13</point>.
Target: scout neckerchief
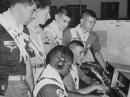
<point>37,45</point>
<point>84,37</point>
<point>77,34</point>
<point>75,76</point>
<point>48,77</point>
<point>54,29</point>
<point>16,33</point>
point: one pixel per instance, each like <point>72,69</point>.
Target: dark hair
<point>89,13</point>
<point>4,5</point>
<point>65,51</point>
<point>64,10</point>
<point>43,3</point>
<point>29,2</point>
<point>74,43</point>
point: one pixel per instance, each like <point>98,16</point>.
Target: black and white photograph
<point>64,48</point>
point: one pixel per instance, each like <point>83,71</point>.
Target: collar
<point>75,75</point>
<point>50,72</point>
<point>57,33</point>
<point>84,36</point>
<point>11,21</point>
<point>33,30</point>
<point>55,26</point>
<point>78,28</point>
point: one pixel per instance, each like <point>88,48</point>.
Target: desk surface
<point>126,74</point>
<point>121,67</point>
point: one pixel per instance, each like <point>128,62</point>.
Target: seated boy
<point>50,84</point>
<point>71,81</point>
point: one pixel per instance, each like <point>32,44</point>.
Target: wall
<point>95,5</point>
<point>118,40</point>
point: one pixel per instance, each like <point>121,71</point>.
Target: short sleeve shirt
<point>9,54</point>
<point>51,91</point>
<point>68,80</point>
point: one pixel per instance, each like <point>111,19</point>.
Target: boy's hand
<point>101,87</point>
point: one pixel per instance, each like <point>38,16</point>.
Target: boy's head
<point>42,14</point>
<point>63,17</point>
<point>77,48</point>
<point>88,20</point>
<point>60,58</point>
<point>23,10</point>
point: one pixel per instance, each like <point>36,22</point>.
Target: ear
<point>60,64</point>
<point>35,14</point>
<point>81,21</point>
<point>56,16</point>
<point>18,6</point>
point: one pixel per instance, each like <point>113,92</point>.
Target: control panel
<point>117,78</point>
<point>120,78</point>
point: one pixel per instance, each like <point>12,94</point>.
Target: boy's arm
<point>55,91</point>
<point>90,89</point>
<point>88,80</point>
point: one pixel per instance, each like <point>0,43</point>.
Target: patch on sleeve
<point>10,44</point>
<point>60,93</point>
<point>88,46</point>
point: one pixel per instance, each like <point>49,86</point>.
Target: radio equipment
<point>118,78</point>
<point>122,86</point>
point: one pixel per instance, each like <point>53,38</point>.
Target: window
<point>128,9</point>
<point>109,10</point>
<point>76,10</point>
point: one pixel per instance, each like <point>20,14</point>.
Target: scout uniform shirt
<point>71,81</point>
<point>89,39</point>
<point>50,77</point>
<point>52,36</point>
<point>39,51</point>
<point>13,55</point>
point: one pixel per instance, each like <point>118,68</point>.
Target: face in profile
<point>65,71</point>
<point>67,61</point>
<point>43,14</point>
<point>26,13</point>
<point>88,23</point>
<point>79,54</point>
<point>63,21</point>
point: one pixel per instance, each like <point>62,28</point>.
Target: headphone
<point>59,54</point>
<point>60,64</point>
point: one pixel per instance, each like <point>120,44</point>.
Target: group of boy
<point>64,49</point>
